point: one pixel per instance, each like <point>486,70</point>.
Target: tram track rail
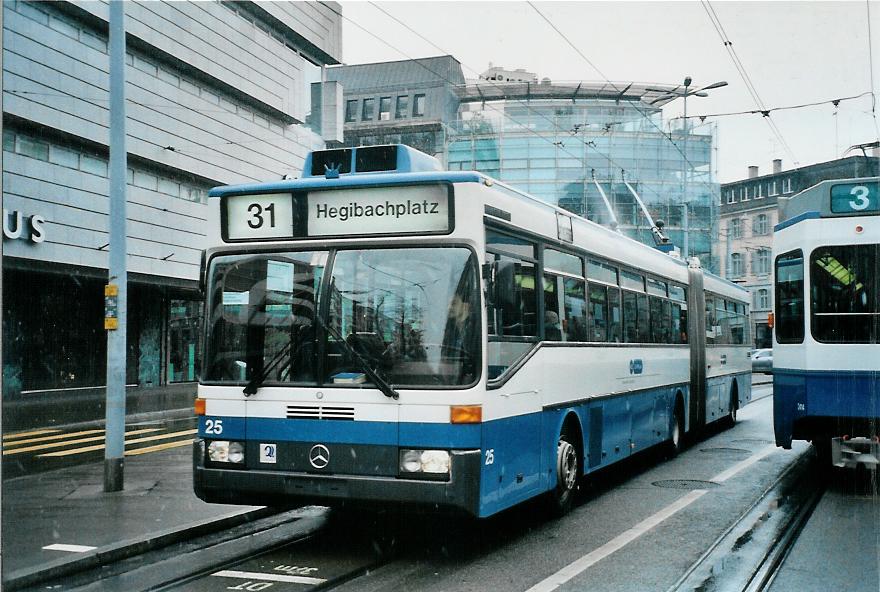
<point>748,555</point>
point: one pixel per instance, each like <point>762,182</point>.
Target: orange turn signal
<point>200,406</point>
<point>771,320</point>
<point>466,413</point>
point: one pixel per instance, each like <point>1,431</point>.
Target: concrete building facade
<point>749,211</point>
<point>216,92</point>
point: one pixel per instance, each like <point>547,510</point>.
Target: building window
<point>742,194</point>
<point>384,108</point>
<point>762,299</point>
<point>772,189</point>
<point>734,228</point>
<point>351,109</point>
<point>736,266</point>
<point>761,262</point>
<point>786,185</point>
<point>402,107</point>
<point>760,226</point>
<point>419,106</point>
<point>758,191</point>
<point>367,111</point>
<point>746,193</point>
<point>731,196</point>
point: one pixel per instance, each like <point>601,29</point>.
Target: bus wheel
<point>676,433</point>
<point>730,420</point>
<point>567,464</point>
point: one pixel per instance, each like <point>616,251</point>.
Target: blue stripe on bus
<point>798,394</point>
<point>343,182</point>
<point>799,218</point>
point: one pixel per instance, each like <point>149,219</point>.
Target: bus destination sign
<point>378,210</point>
<point>259,217</point>
<point>855,198</point>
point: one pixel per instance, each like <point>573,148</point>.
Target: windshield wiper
<point>371,373</point>
<point>257,380</point>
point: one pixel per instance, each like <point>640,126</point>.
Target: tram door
<point>697,338</point>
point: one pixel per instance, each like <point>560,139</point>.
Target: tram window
<point>790,297</point>
<point>601,272</point>
<point>644,325</point>
<point>614,317</point>
<point>845,294</point>
<point>598,312</point>
<point>657,329</point>
<point>630,318</point>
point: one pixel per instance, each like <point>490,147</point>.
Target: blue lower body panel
<point>819,404</point>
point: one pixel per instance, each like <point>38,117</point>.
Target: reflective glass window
<point>845,294</point>
<point>790,297</point>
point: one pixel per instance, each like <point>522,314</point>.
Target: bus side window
<point>615,322</point>
<point>644,323</point>
<point>630,318</point>
<point>710,320</point>
<point>598,313</point>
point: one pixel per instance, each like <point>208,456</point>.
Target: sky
<point>793,53</point>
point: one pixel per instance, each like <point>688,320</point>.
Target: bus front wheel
<point>567,463</point>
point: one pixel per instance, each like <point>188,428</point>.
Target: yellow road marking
<point>34,433</point>
<point>158,447</point>
<point>135,441</point>
<point>69,442</point>
<point>55,437</point>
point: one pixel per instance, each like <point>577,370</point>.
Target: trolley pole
<point>116,292</point>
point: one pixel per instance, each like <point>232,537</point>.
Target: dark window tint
<point>515,298</point>
<point>712,328</point>
<point>351,110</point>
<point>598,312</point>
<point>644,324</point>
<point>367,112</point>
<point>790,297</point>
<point>565,310</point>
<point>615,320</point>
<point>658,330</point>
<point>419,106</point>
<point>630,318</point>
<point>402,107</point>
<point>845,294</point>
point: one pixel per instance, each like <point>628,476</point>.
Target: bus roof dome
<point>392,158</point>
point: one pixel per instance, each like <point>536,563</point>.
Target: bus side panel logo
<point>636,366</point>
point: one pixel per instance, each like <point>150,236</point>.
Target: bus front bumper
<point>284,488</point>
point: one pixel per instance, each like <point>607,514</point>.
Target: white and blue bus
<point>826,344</point>
<point>383,331</point>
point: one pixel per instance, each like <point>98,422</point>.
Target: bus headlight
<point>435,462</point>
<point>226,452</point>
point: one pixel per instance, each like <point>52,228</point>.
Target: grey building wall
<point>213,96</point>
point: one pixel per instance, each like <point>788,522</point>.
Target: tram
<point>383,331</point>
<point>826,349</point>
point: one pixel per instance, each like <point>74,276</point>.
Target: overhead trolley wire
<point>549,140</point>
<point>741,69</point>
<point>630,101</point>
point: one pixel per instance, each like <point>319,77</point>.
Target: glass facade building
<point>557,141</point>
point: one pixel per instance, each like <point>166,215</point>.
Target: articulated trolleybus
<point>826,375</point>
<point>382,331</point>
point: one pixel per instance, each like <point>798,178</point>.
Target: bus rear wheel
<point>567,467</point>
<point>675,443</point>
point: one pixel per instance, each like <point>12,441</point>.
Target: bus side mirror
<point>489,270</point>
<point>203,275</point>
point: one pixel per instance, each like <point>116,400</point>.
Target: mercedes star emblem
<point>319,456</point>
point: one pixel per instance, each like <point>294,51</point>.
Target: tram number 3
<point>213,426</point>
<point>861,201</point>
<point>258,212</point>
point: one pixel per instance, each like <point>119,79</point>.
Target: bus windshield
<point>411,314</point>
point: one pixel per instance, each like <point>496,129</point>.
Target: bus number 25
<point>490,456</point>
<point>213,426</point>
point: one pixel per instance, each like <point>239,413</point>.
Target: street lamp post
<point>684,94</point>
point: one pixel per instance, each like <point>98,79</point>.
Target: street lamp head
<point>715,85</point>
<point>687,80</point>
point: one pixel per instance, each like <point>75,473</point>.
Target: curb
<point>30,576</point>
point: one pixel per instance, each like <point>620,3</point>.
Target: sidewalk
<point>68,507</point>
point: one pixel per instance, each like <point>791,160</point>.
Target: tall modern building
<point>216,92</point>
<point>749,211</point>
<point>561,141</point>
